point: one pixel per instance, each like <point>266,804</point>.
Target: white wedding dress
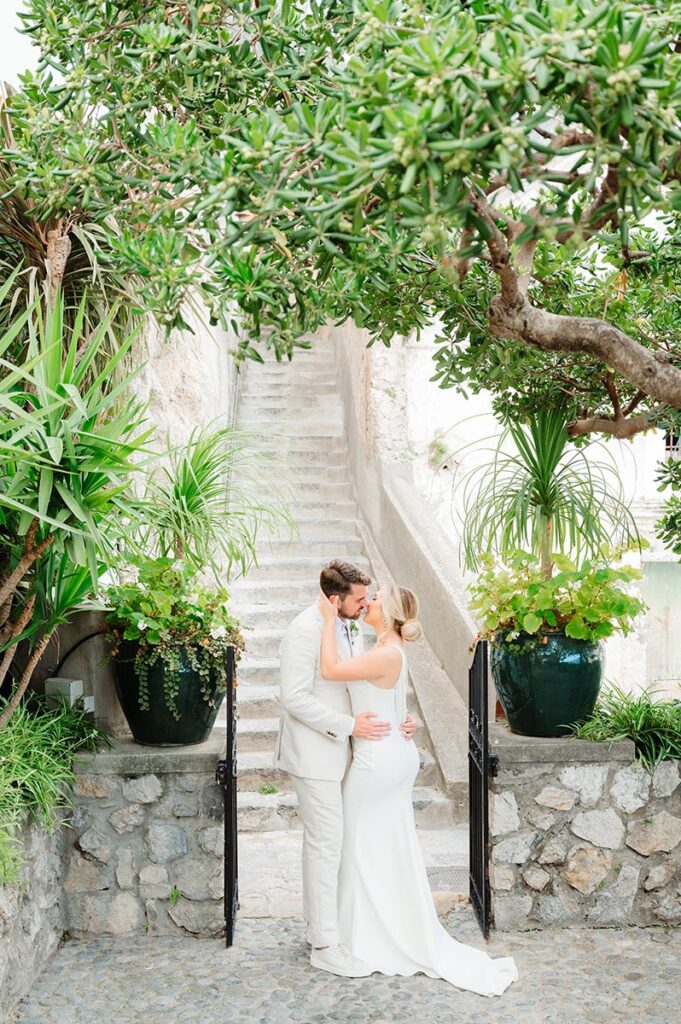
<point>386,913</point>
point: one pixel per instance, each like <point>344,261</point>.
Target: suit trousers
<point>321,809</point>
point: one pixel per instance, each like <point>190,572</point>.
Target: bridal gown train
<point>387,917</point>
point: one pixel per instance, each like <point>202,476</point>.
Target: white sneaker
<point>337,960</point>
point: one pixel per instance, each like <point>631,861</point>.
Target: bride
<point>386,913</point>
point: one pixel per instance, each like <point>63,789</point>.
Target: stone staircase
<point>296,408</point>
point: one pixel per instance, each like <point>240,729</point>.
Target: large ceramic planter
<point>550,686</point>
<point>157,727</point>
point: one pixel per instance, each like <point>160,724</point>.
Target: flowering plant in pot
<point>170,639</point>
<point>173,640</point>
<point>545,634</point>
<point>539,500</point>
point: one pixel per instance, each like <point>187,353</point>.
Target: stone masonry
<point>30,913</point>
<point>582,834</point>
<point>146,843</point>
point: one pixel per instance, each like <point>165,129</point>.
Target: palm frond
<point>545,496</point>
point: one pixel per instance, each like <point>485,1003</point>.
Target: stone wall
<point>145,851</point>
<point>30,914</point>
<point>582,834</point>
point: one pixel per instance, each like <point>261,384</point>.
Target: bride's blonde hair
<point>401,608</point>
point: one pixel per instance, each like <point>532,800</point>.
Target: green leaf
<point>531,622</point>
<point>577,629</point>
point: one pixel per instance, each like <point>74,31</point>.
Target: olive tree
<point>510,169</point>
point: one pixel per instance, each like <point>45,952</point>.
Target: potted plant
<point>545,651</point>
<point>169,640</point>
<point>170,631</point>
<point>530,507</point>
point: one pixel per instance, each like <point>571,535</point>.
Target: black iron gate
<point>480,766</point>
<point>226,776</point>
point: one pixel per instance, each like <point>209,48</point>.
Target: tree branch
<point>499,251</point>
<point>614,397</point>
<point>510,315</point>
<point>620,427</point>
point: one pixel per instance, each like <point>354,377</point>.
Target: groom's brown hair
<point>338,577</point>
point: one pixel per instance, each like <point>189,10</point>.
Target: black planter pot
<point>157,727</point>
<point>549,687</point>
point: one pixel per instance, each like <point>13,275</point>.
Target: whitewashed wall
<point>187,378</point>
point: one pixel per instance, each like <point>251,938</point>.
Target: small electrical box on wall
<point>70,689</point>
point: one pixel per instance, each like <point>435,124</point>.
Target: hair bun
<point>411,630</point>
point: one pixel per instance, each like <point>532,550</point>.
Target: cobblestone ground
<point>566,977</point>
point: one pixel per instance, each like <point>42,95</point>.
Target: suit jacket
<point>316,720</point>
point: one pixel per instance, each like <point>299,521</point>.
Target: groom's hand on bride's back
<point>365,729</point>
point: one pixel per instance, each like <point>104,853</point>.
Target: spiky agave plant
<point>545,496</point>
<point>68,442</point>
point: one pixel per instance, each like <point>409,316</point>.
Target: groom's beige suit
<point>313,746</point>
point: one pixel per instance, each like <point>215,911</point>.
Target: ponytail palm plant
<point>206,505</point>
<point>545,496</point>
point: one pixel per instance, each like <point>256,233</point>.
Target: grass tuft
<point>653,725</point>
<point>38,747</point>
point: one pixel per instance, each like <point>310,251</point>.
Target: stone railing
<point>31,914</point>
<point>145,851</point>
<point>582,834</point>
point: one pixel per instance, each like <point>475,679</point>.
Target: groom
<point>313,747</point>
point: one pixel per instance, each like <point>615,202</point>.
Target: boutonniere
<point>354,630</point>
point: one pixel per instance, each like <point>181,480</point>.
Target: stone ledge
<point>512,749</point>
<point>129,758</point>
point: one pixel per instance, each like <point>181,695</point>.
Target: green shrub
<point>653,725</point>
<point>517,605</point>
<point>37,751</point>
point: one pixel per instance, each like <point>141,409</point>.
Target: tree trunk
<point>545,558</point>
<point>30,555</point>
<point>36,655</point>
<point>16,630</point>
<point>58,251</point>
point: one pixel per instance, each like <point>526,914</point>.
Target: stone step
<point>348,548</point>
<point>254,592</point>
<point>333,461</point>
<point>323,407</point>
<point>256,700</point>
<point>256,734</point>
<point>258,812</point>
<point>284,427</point>
<point>256,672</point>
<point>256,769</point>
<point>298,474</point>
<point>282,376</point>
<point>290,567</point>
<point>325,529</point>
<point>263,617</point>
<point>291,442</point>
<point>310,506</point>
<point>273,391</point>
<point>264,643</point>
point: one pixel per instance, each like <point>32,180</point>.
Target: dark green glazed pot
<point>157,727</point>
<point>549,687</point>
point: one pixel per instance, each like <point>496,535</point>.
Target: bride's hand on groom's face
<point>328,606</point>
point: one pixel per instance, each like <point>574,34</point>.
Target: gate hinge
<point>493,765</point>
<point>222,773</point>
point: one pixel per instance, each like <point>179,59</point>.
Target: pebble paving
<point>567,976</point>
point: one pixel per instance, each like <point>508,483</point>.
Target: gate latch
<point>222,773</point>
<point>493,765</point>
